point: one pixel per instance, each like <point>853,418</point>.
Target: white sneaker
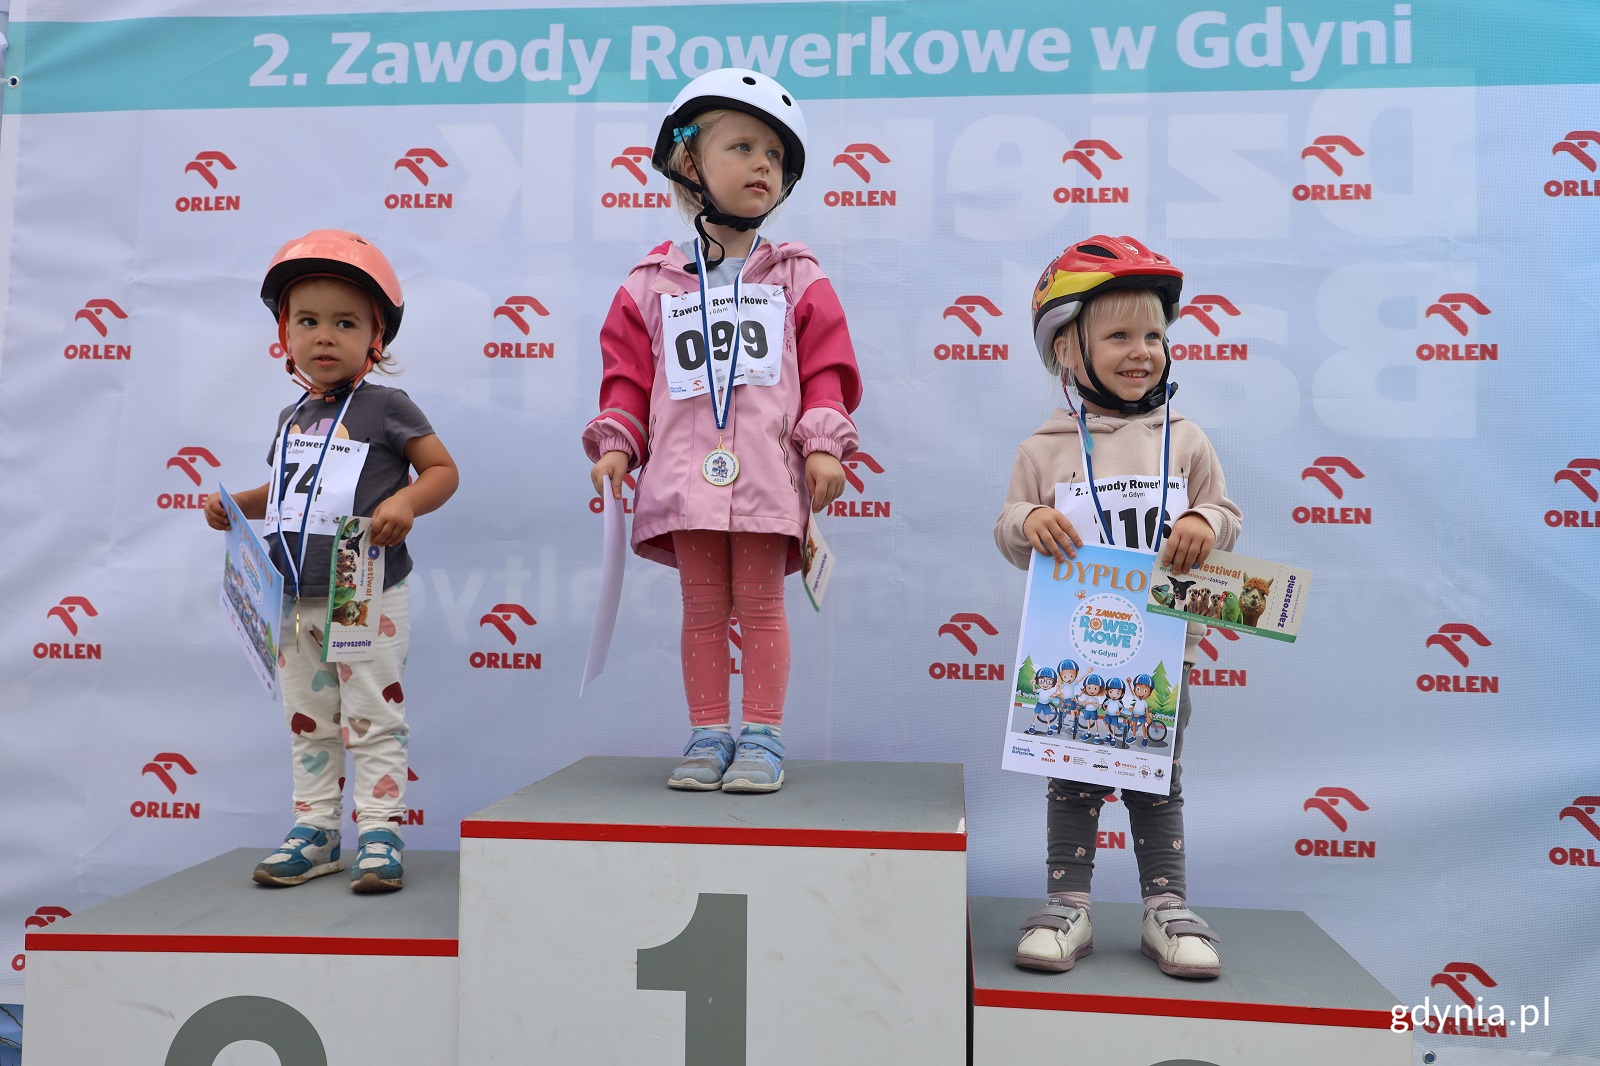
<point>1179,941</point>
<point>1054,937</point>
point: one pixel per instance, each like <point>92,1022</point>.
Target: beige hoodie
<point>1122,447</point>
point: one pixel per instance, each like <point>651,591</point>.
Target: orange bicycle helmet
<point>1083,271</point>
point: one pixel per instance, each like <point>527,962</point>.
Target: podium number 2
<point>215,1026</point>
<point>707,963</point>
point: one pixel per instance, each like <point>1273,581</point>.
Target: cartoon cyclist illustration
<point>1138,706</point>
<point>1111,708</point>
<point>1046,708</point>
<point>1089,700</point>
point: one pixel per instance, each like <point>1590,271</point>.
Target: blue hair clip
<point>683,133</point>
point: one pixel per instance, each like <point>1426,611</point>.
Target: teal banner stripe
<point>819,50</point>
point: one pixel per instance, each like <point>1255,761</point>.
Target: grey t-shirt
<point>386,420</point>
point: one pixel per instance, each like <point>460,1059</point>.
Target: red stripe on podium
<point>485,829</point>
<point>1183,1008</point>
<point>240,945</point>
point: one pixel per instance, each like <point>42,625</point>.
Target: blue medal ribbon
<point>720,413</point>
<point>296,565</point>
<point>1087,444</point>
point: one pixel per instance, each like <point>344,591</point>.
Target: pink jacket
<point>770,428</point>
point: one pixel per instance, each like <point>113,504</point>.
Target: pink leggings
<point>723,575</point>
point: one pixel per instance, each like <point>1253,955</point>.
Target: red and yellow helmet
<point>1088,268</point>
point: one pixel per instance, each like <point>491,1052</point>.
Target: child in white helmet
<point>729,378</point>
<point>1100,313</point>
<point>338,305</point>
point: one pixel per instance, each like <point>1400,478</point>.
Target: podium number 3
<point>215,1026</point>
<point>707,963</point>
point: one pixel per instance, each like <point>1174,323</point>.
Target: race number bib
<point>1131,505</point>
<point>289,490</point>
<point>757,331</point>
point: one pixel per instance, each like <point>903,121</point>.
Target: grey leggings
<point>1073,819</point>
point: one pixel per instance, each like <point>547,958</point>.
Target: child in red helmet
<point>338,305</point>
<point>1100,314</point>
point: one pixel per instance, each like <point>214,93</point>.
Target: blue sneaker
<point>705,757</point>
<point>757,762</point>
<point>377,867</point>
<point>306,853</point>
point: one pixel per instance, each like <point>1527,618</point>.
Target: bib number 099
<point>692,344</point>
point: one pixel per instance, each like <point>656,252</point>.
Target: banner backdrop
<point>1386,215</point>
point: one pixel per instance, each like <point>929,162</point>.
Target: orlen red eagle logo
<point>161,767</point>
<point>961,626</point>
<point>1448,309</point>
<point>207,164</point>
<point>188,462</point>
<point>1579,473</point>
<point>43,918</point>
<point>1332,151</point>
<point>1088,155</point>
<point>69,611</point>
<point>93,312</point>
<point>966,310</point>
<point>634,160</point>
<point>1476,1018</point>
<point>417,162</point>
<point>859,464</point>
<point>1327,470</point>
<point>506,619</point>
<point>1328,801</point>
<point>1455,638</point>
<point>1582,811</point>
<point>629,487</point>
<point>1220,678</point>
<point>521,311</point>
<point>1204,309</point>
<point>1581,146</point>
<point>855,157</point>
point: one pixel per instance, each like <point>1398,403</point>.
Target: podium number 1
<point>707,962</point>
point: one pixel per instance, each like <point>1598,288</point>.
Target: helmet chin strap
<point>1096,392</point>
<point>711,213</point>
<point>338,392</point>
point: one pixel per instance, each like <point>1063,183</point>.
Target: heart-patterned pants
<point>359,706</point>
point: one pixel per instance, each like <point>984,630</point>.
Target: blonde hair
<point>688,203</point>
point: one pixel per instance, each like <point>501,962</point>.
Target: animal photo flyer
<point>355,587</point>
<point>1234,592</point>
<point>252,594</point>
<point>1095,696</point>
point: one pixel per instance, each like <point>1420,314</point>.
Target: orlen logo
<point>1220,678</point>
<point>966,310</point>
<point>162,767</point>
<point>67,611</point>
<point>1581,810</point>
<point>206,165</point>
<point>1581,146</point>
<point>521,312</point>
<point>1327,471</point>
<point>43,918</point>
<point>961,627</point>
<point>1448,309</point>
<point>417,162</point>
<point>507,619</point>
<point>187,462</point>
<point>1579,473</point>
<point>634,161</point>
<point>1455,638</point>
<point>1089,155</point>
<point>386,787</point>
<point>629,487</point>
<point>854,467</point>
<point>1328,800</point>
<point>1205,310</point>
<point>1332,151</point>
<point>855,157</point>
<point>95,313</point>
<point>1471,1021</point>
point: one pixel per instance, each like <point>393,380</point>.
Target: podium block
<point>181,969</point>
<point>1288,993</point>
<point>608,919</point>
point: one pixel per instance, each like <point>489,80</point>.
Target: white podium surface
<point>609,919</point>
<point>1288,994</point>
<point>190,970</point>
